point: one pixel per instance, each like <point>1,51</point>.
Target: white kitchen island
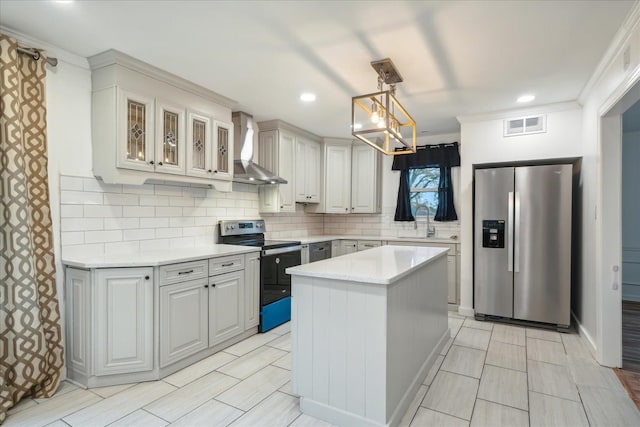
<point>365,330</point>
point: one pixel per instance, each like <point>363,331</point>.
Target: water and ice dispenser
<point>493,233</point>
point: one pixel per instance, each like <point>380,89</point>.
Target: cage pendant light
<point>378,119</point>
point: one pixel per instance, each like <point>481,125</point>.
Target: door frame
<point>609,220</point>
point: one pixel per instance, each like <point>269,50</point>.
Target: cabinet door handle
<point>185,272</point>
<point>151,162</point>
<point>146,277</point>
<point>160,163</point>
<point>229,264</point>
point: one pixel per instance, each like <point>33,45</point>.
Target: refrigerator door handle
<point>516,237</point>
<point>510,234</point>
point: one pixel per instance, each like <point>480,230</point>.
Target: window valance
<point>429,156</point>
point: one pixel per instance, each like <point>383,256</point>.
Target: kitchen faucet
<point>431,230</point>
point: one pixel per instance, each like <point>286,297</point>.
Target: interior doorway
<point>630,207</point>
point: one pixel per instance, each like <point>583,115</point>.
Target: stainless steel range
<point>276,256</point>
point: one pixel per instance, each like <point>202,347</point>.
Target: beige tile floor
<point>488,374</point>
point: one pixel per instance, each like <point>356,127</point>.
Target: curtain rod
<point>36,55</point>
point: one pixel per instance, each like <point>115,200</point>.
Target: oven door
<point>275,284</point>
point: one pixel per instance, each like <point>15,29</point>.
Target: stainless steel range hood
<point>244,169</point>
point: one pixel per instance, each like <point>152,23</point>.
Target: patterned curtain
<point>31,351</point>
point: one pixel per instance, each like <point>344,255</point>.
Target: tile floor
<point>488,374</point>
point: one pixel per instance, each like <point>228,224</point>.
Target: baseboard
<point>585,334</point>
<point>466,311</point>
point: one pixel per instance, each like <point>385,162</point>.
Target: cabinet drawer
<point>183,271</point>
<point>226,264</point>
<point>368,244</point>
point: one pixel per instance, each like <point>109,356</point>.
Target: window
<point>424,191</point>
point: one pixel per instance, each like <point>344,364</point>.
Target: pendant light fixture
<point>378,119</point>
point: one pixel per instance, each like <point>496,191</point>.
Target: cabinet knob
<point>281,207</point>
<point>146,277</point>
<point>209,171</point>
<point>151,162</point>
<point>346,209</point>
<point>160,163</point>
<point>206,286</point>
<point>213,285</point>
<point>215,171</point>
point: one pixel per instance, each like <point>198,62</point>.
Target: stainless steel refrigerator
<point>522,243</point>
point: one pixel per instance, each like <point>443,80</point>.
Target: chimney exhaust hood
<point>244,169</point>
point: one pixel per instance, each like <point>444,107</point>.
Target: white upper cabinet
<point>366,165</point>
<point>149,124</point>
<point>170,138</point>
<point>307,171</point>
<point>293,154</point>
<point>223,150</point>
<point>199,155</point>
<point>135,142</point>
<point>337,177</point>
<point>286,169</point>
<point>277,154</point>
<point>351,180</point>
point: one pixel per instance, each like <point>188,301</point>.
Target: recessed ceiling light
<point>526,98</point>
<point>308,97</point>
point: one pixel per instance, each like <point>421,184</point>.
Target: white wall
<point>483,142</point>
<point>630,216</point>
<point>599,307</point>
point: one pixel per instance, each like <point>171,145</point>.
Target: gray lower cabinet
<point>252,290</point>
<point>348,246</point>
<point>112,314</point>
<point>226,306</point>
<point>184,317</point>
<point>123,305</point>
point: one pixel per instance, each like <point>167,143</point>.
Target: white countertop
<point>155,258</point>
<point>383,265</point>
<point>315,239</point>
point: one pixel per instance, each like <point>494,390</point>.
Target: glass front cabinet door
<point>135,131</point>
<point>170,138</point>
<point>223,150</point>
<point>199,155</point>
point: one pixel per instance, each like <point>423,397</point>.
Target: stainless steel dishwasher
<point>318,251</point>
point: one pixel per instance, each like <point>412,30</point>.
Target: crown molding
<point>618,44</point>
<point>281,124</point>
<point>507,114</point>
<point>54,51</point>
<point>115,57</point>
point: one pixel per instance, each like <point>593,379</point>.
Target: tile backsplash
<point>384,225</point>
<point>98,218</point>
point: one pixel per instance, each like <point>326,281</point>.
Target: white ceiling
<point>456,57</point>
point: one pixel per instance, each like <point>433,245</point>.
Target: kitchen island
<point>365,329</point>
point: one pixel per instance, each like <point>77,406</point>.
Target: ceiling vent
<point>525,125</point>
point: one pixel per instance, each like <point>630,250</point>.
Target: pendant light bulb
<point>375,117</point>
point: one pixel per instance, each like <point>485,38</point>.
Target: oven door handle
<point>281,250</point>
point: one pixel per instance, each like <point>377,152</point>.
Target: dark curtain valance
<point>426,156</point>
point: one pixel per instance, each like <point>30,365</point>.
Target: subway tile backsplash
<point>99,218</point>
